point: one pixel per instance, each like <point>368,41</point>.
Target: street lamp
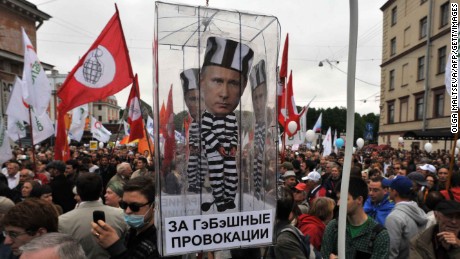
<point>328,61</point>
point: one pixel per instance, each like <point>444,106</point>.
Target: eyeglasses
<point>397,168</point>
<point>14,235</point>
<point>134,207</point>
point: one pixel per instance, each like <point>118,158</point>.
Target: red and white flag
<point>289,108</point>
<point>103,71</point>
<point>170,140</point>
<point>281,84</point>
<point>135,115</point>
<point>36,87</point>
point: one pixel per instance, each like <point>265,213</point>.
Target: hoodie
<point>312,226</point>
<point>403,223</point>
<point>379,211</point>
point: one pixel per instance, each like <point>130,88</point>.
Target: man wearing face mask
<point>138,205</point>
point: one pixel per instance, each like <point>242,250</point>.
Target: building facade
<point>15,14</point>
<point>414,103</point>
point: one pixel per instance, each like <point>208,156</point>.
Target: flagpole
<point>32,138</point>
<point>142,115</point>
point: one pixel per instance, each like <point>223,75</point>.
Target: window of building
<point>392,80</point>
<point>99,107</point>
<point>442,60</point>
<point>393,46</point>
<point>423,27</point>
<point>438,104</point>
<point>422,1</point>
<point>421,68</point>
<point>391,112</point>
<point>444,15</point>
<point>99,118</point>
<point>404,109</point>
<point>405,75</point>
<point>407,36</point>
<point>394,13</point>
<point>419,107</point>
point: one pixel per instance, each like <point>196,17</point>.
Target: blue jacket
<point>379,211</point>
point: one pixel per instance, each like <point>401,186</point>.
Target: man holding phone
<point>138,205</point>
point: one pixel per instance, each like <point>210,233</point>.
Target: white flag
<point>36,87</point>
<point>77,127</point>
<point>126,127</point>
<point>42,127</point>
<point>149,127</point>
<point>5,149</point>
<point>317,126</point>
<point>99,132</point>
<point>17,112</point>
<point>327,143</point>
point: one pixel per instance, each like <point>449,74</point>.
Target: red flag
<point>170,140</point>
<point>61,147</point>
<point>291,108</point>
<point>163,119</point>
<point>103,71</point>
<point>284,60</point>
<point>135,115</point>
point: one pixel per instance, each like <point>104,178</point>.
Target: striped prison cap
<point>228,54</point>
<point>190,79</point>
<point>258,75</point>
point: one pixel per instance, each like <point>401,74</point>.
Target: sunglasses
<point>134,207</point>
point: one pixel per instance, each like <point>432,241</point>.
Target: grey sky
<point>317,30</point>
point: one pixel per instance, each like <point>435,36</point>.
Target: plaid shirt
<point>379,250</point>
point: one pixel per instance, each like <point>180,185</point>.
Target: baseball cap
<point>418,178</point>
<point>428,167</point>
<point>287,165</point>
<point>448,207</point>
<point>301,186</point>
<point>289,174</point>
<point>401,184</point>
<point>312,176</point>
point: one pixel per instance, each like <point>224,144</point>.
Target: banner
<point>99,132</point>
<point>5,148</point>
<point>77,127</point>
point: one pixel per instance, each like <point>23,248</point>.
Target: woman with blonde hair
<point>314,222</point>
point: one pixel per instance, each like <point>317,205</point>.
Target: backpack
<point>303,240</point>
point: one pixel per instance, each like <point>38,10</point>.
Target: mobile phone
<point>98,215</point>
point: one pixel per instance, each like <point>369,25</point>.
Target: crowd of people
<point>400,204</point>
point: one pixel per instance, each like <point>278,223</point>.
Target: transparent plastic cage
<point>214,196</point>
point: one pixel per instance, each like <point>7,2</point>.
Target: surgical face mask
<point>135,221</point>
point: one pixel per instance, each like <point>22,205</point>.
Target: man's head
<point>286,166</point>
<point>258,78</point>
<point>71,167</point>
<point>376,191</point>
<point>447,214</point>
<point>443,173</point>
<point>190,79</point>
<point>124,169</point>
<point>313,179</point>
<point>427,168</point>
<point>224,74</point>
<point>357,195</point>
<point>285,205</point>
<point>138,201</point>
<point>53,246</point>
<point>104,161</point>
<point>290,179</point>
<point>141,163</point>
<point>401,188</point>
<point>28,220</point>
<point>12,168</point>
<point>89,186</point>
<point>300,192</point>
<point>25,175</point>
<point>56,167</point>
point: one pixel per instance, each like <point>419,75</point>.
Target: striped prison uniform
<point>196,168</point>
<point>219,132</point>
<point>259,146</point>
